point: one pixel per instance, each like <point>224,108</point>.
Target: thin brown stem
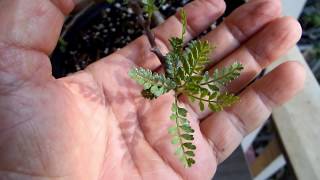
<point>145,24</point>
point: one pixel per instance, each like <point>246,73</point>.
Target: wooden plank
<point>272,168</point>
<point>298,123</point>
<point>292,7</point>
<point>263,166</point>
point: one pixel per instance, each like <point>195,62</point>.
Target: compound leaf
<point>156,83</point>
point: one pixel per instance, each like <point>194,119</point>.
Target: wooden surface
<point>233,168</point>
<point>269,154</point>
<point>298,124</point>
<point>265,164</point>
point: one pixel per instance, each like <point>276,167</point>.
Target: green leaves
<point>187,66</point>
<point>184,75</point>
<point>150,6</point>
<point>174,57</point>
<point>176,44</point>
<point>196,57</point>
<point>154,83</point>
<point>222,100</point>
<point>215,100</point>
<point>109,1</point>
<point>189,146</point>
<point>182,134</point>
<point>206,89</point>
<point>184,23</point>
<point>187,137</point>
<point>62,45</point>
<point>227,74</point>
<point>172,60</point>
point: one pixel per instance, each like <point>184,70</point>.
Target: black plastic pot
<point>100,30</point>
<point>97,32</point>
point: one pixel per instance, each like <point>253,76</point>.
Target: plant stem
<point>216,80</point>
<point>201,99</point>
<point>145,24</point>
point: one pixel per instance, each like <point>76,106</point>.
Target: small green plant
<point>185,74</point>
<point>313,19</point>
<point>62,45</point>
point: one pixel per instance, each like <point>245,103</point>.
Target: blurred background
<point>310,41</point>
<point>287,146</point>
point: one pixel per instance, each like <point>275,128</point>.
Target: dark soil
<point>101,30</point>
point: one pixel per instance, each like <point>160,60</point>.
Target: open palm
<point>95,125</point>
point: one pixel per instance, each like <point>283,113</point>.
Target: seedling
<point>185,74</point>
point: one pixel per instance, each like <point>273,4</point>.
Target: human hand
<point>95,125</point>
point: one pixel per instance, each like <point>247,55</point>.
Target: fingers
<point>261,50</point>
<point>258,52</point>
<point>237,28</point>
<point>200,14</point>
<point>32,24</point>
<point>65,5</point>
<point>226,129</point>
<point>28,33</point>
<point>241,25</point>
